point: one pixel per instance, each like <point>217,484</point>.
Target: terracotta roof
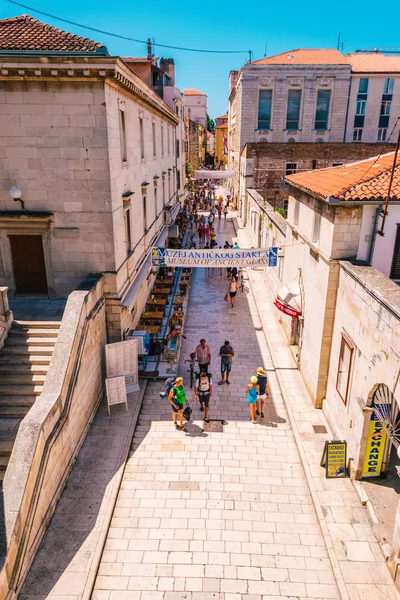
<point>362,180</point>
<point>304,56</point>
<point>225,116</point>
<point>25,33</point>
<point>141,59</point>
<point>192,93</point>
<point>222,126</point>
<point>373,63</point>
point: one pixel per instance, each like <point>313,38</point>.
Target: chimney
<point>149,51</point>
<point>168,66</point>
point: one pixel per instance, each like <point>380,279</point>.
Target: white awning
<point>130,295</point>
<point>290,296</point>
<point>206,174</point>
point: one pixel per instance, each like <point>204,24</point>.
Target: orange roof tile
<point>362,180</point>
<point>304,56</point>
<point>225,116</point>
<point>373,63</point>
<point>192,93</point>
<point>25,33</point>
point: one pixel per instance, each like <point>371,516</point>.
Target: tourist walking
<point>225,211</point>
<point>219,209</point>
<point>203,392</point>
<point>177,399</point>
<point>232,290</point>
<point>226,353</point>
<point>252,391</point>
<point>203,355</point>
<point>263,391</point>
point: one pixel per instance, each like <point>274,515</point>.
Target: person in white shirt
<point>203,392</point>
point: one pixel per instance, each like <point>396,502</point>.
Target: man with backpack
<point>203,391</point>
<point>177,399</point>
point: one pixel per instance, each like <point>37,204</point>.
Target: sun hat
<point>254,379</point>
<point>178,380</point>
<point>260,371</point>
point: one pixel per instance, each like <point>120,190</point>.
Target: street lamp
<point>15,193</point>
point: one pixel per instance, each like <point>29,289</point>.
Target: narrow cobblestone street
<point>221,515</point>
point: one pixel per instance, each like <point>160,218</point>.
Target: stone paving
<point>206,515</point>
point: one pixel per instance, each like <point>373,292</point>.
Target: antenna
<point>338,42</point>
<point>265,50</point>
<point>250,55</point>
<point>154,47</point>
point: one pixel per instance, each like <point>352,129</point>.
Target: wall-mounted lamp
<point>16,194</point>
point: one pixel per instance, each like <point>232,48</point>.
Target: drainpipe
<point>373,237</point>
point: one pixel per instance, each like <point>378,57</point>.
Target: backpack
<point>169,384</point>
<point>209,380</point>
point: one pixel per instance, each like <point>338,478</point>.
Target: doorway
<point>28,264</point>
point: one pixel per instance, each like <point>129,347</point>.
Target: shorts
<point>262,397</point>
<point>226,367</point>
<point>232,294</point>
<point>204,399</point>
<point>176,410</point>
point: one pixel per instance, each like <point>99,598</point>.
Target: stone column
<point>6,316</point>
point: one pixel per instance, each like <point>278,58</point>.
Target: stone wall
<point>263,165</point>
<point>53,140</point>
<point>6,316</point>
<point>51,434</point>
<point>368,314</point>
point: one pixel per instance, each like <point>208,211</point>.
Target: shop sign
<point>334,459</point>
<point>234,257</point>
<point>375,449</point>
<point>287,310</point>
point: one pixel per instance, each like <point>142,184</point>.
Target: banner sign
<point>206,174</point>
<point>334,459</point>
<point>287,310</point>
<point>231,257</point>
<point>376,442</point>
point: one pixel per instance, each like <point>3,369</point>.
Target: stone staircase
<point>24,362</point>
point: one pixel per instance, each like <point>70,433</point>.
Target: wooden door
<point>28,261</point>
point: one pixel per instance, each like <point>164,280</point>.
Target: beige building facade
<point>92,151</point>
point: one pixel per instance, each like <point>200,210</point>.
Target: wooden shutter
<point>395,271</point>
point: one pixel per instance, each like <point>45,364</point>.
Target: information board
<point>116,392</point>
<point>334,459</point>
<point>122,359</point>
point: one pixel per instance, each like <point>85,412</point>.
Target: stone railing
<point>51,434</point>
<point>6,316</point>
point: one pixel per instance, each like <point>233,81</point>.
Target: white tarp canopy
<point>206,174</point>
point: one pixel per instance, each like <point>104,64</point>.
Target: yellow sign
<point>334,459</point>
<point>375,449</point>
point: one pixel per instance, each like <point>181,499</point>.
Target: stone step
<point>24,359</point>
<point>27,351</point>
<point>6,448</point>
<point>19,379</point>
<point>31,331</point>
<point>36,324</point>
<point>19,390</point>
<point>13,412</point>
<point>17,400</point>
<point>31,341</point>
<point>13,368</point>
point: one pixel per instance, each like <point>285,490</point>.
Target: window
<point>336,164</point>
<point>344,368</point>
<point>357,134</point>
<point>168,144</point>
<point>264,109</point>
<point>169,187</point>
<point>385,107</point>
<point>153,132</point>
<point>360,107</point>
<point>322,110</point>
<point>291,168</point>
<point>141,137</point>
<point>395,270</point>
<point>163,191</point>
<point>155,201</point>
<point>178,179</point>
<point>127,219</point>
<point>363,85</point>
<point>296,213</point>
<point>177,148</point>
<point>144,207</point>
<point>314,164</point>
<point>122,135</point>
<point>285,205</point>
<point>162,139</point>
<point>293,109</point>
<point>382,133</point>
<point>388,85</point>
<point>316,226</point>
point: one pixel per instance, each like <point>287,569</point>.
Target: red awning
<point>288,300</point>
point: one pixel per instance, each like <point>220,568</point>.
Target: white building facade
<point>195,106</point>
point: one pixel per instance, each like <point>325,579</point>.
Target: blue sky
<point>230,26</point>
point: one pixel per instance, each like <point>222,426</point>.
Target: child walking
<point>252,391</point>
